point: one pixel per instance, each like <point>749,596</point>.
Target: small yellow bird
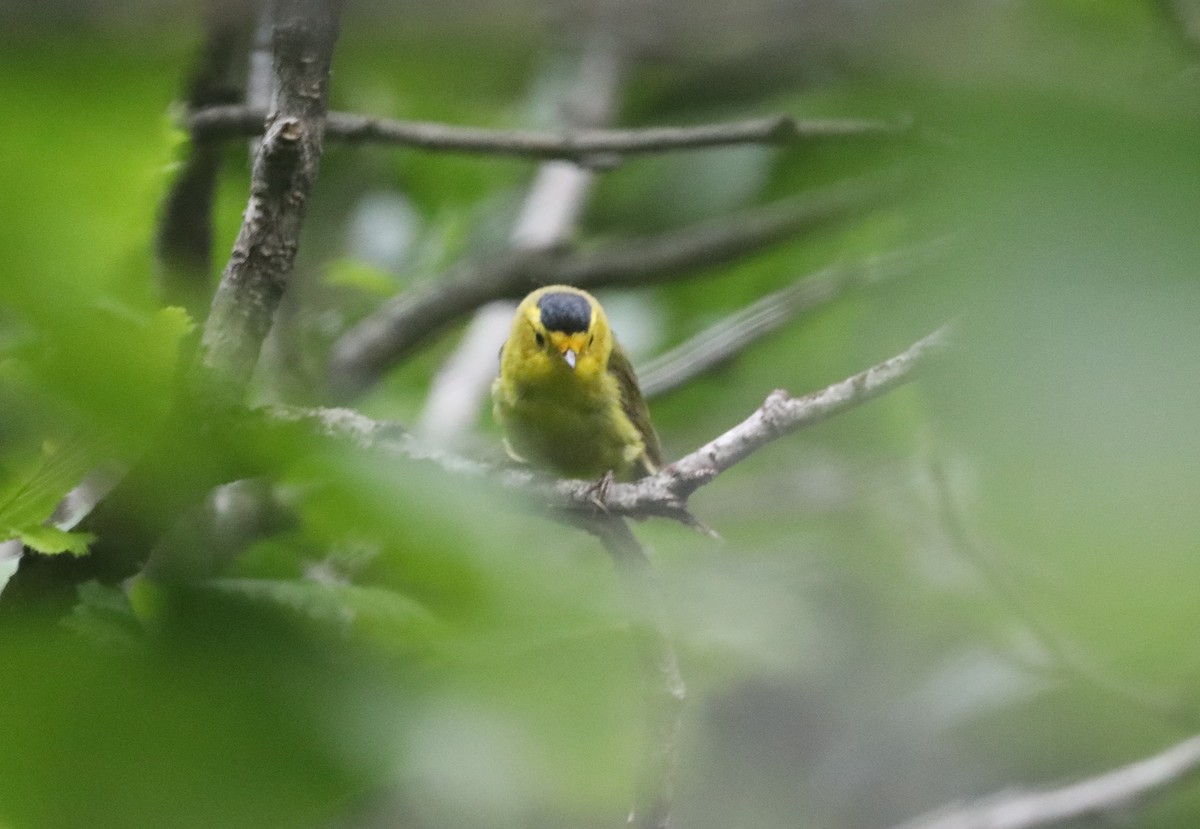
<point>567,397</point>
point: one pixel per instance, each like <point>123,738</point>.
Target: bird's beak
<point>570,346</point>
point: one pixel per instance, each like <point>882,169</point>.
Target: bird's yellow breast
<point>566,397</point>
<point>567,421</point>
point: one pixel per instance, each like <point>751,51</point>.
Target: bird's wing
<point>635,407</point>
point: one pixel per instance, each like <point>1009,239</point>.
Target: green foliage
<point>983,581</point>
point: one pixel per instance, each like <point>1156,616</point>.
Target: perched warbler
<point>567,397</point>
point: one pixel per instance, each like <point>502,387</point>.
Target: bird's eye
<point>541,341</point>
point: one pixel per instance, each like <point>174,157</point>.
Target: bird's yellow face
<point>559,333</point>
<point>567,397</point>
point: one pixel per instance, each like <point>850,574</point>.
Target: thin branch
<point>284,171</point>
<point>666,493</point>
<point>1119,789</point>
<point>580,145</point>
<point>727,338</point>
<point>376,343</point>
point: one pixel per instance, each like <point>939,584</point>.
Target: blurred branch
<point>735,333</point>
<point>666,493</point>
<point>586,146</point>
<point>656,779</point>
<point>368,349</point>
<point>1064,656</point>
<point>185,235</point>
<point>282,178</point>
<point>1117,790</point>
<point>1183,18</point>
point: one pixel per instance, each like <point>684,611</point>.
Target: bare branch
<point>284,171</point>
<point>666,493</point>
<point>585,146</point>
<point>1114,790</point>
<point>367,350</point>
<point>730,336</point>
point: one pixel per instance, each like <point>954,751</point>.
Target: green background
<point>981,581</point>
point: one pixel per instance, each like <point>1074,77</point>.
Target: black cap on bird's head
<point>568,313</point>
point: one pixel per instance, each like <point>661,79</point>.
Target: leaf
<point>52,540</point>
<point>39,482</point>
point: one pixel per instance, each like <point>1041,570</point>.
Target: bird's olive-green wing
<point>635,407</point>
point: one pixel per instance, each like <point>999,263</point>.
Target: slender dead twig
<point>1115,790</point>
<point>727,338</point>
<point>587,146</point>
<point>282,178</point>
<point>368,349</point>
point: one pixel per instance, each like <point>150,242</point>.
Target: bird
<point>567,398</point>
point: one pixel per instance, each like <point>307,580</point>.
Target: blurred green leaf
<point>51,540</point>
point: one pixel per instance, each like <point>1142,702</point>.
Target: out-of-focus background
<point>984,580</point>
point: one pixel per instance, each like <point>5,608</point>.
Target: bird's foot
<point>598,492</point>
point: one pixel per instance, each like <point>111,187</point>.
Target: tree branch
<point>1108,792</point>
<point>368,349</point>
<point>735,333</point>
<point>666,493</point>
<point>584,146</point>
<point>282,178</point>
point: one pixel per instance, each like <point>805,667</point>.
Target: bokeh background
<point>984,580</point>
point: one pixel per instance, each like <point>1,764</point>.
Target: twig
<point>666,493</point>
<point>1118,789</point>
<point>730,336</point>
<point>282,178</point>
<point>580,145</point>
<point>667,693</point>
<point>368,349</point>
